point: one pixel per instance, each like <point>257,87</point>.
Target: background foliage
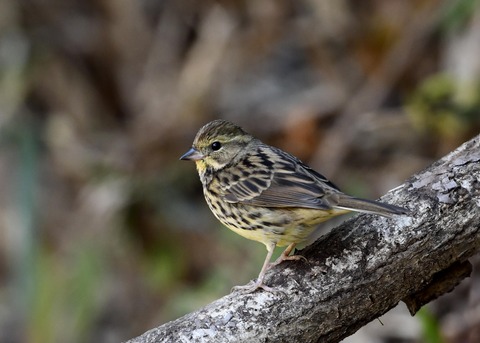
<point>105,234</point>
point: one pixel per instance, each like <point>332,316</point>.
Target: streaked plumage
<point>266,194</point>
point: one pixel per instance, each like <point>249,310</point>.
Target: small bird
<point>265,194</point>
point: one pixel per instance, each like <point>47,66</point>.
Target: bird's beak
<point>192,155</point>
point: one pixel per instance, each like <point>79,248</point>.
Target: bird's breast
<point>280,225</point>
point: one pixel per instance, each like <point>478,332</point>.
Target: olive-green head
<point>217,144</point>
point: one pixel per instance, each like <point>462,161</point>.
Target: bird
<point>266,194</point>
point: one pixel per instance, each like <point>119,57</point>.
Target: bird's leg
<point>285,256</point>
<point>249,288</point>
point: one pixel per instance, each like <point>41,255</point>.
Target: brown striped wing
<point>273,178</point>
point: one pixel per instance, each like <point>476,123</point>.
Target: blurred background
<point>104,233</point>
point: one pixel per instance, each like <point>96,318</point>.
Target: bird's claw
<point>250,288</point>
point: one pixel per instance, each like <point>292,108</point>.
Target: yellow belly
<point>298,225</point>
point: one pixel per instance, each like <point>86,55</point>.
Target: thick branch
<point>360,270</point>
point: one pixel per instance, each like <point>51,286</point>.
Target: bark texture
<point>360,270</point>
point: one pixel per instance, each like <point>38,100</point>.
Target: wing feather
<point>272,178</point>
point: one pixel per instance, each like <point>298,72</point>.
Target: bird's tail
<point>346,202</point>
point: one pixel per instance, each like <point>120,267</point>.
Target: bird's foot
<point>283,257</point>
<point>252,286</point>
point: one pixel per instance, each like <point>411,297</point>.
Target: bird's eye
<point>216,146</point>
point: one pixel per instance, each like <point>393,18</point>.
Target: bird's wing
<point>273,178</point>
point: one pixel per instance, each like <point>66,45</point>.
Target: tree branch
<point>360,270</point>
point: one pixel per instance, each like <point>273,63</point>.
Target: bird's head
<point>217,144</point>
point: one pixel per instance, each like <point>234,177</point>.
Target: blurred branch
<point>378,85</point>
<point>360,270</point>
